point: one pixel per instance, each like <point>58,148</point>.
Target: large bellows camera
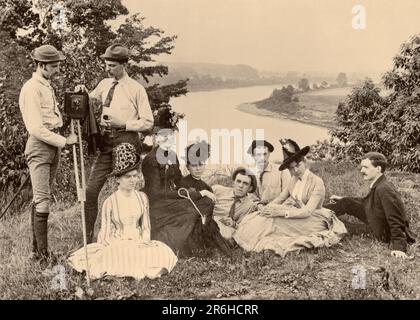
<point>76,105</point>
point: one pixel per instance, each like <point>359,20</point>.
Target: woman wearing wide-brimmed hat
<point>296,218</point>
<point>124,248</point>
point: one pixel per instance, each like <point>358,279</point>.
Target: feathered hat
<point>291,152</point>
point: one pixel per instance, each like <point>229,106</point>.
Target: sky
<point>285,35</point>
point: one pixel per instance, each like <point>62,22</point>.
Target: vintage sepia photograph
<point>227,151</point>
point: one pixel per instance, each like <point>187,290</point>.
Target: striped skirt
<point>125,258</point>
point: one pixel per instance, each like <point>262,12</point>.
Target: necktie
<point>55,101</point>
<point>108,99</point>
<point>259,191</point>
<point>232,208</point>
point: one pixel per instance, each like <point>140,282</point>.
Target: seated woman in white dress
<point>124,248</point>
<point>295,219</point>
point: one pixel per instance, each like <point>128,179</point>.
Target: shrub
<point>82,40</point>
<point>366,121</point>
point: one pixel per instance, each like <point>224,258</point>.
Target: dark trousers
<point>352,207</point>
<point>101,168</point>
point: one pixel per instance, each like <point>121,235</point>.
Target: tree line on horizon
<point>206,76</point>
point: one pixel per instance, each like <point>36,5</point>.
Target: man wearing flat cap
<point>125,114</point>
<point>42,119</point>
<point>271,181</point>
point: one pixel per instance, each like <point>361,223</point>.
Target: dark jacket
<point>383,210</point>
<point>162,181</point>
<point>190,183</point>
<point>386,215</point>
<point>90,130</point>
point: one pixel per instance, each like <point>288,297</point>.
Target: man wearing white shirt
<point>125,113</point>
<point>271,181</point>
<point>233,204</point>
<point>42,118</point>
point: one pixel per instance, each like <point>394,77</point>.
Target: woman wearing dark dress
<point>196,155</point>
<point>195,181</point>
<point>173,219</point>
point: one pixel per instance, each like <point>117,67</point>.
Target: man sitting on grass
<point>382,209</point>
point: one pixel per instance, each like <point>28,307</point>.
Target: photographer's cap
<point>47,53</point>
<point>116,52</point>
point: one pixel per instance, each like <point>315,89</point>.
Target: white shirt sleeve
<point>30,103</point>
<point>145,120</point>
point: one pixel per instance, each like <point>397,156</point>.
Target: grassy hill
<point>324,273</point>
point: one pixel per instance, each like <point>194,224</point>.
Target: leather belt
<point>112,130</point>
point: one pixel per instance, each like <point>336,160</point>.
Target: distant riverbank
<point>314,107</point>
<point>252,108</point>
<point>215,87</point>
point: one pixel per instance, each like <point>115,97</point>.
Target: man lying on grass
<point>382,209</point>
<point>233,204</point>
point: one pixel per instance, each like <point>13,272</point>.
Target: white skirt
<point>125,258</point>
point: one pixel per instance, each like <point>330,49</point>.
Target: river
<point>209,110</point>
